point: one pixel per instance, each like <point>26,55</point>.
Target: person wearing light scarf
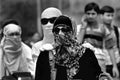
<point>15,56</point>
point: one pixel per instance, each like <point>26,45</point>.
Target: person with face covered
<point>92,32</point>
<point>48,17</point>
<point>15,56</point>
<point>67,59</point>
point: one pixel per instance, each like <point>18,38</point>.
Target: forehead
<point>12,28</point>
<point>91,11</point>
<point>60,26</point>
<point>50,13</point>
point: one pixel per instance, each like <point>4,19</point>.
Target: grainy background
<point>25,11</point>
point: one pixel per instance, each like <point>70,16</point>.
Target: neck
<point>48,38</point>
<point>93,24</point>
<point>108,25</point>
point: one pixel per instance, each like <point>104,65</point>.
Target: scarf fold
<point>68,56</point>
<point>12,48</point>
<point>18,64</point>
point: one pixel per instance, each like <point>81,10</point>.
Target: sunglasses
<point>14,34</point>
<point>57,30</point>
<point>44,21</point>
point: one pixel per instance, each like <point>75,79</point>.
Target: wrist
<point>114,65</point>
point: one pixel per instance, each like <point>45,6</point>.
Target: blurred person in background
<point>111,42</point>
<point>32,40</point>
<point>67,59</point>
<point>48,17</point>
<point>91,32</point>
<point>15,56</point>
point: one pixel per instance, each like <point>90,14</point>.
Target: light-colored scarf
<point>11,52</point>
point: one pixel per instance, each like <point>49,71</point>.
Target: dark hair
<point>9,21</point>
<point>92,6</point>
<point>108,9</point>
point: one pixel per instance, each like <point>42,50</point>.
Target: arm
<point>35,52</point>
<point>82,31</point>
<point>27,53</point>
<point>112,57</point>
<point>95,63</point>
<point>94,69</point>
<point>119,40</point>
<point>110,46</point>
<point>42,66</point>
<point>80,35</point>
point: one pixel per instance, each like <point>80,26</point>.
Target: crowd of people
<point>88,51</point>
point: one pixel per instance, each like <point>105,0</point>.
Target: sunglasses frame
<point>64,29</point>
<point>44,21</point>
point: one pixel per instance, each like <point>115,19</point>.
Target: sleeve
<point>42,67</point>
<point>35,52</point>
<point>38,72</point>
<point>80,33</point>
<point>27,53</point>
<point>31,67</point>
<point>94,62</point>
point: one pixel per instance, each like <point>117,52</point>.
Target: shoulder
<point>44,55</point>
<point>26,51</point>
<point>37,44</point>
<point>88,50</point>
<point>26,47</point>
<point>36,47</point>
<point>102,27</point>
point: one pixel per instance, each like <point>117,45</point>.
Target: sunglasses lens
<point>56,30</point>
<point>65,30</point>
<point>44,21</point>
<point>52,19</point>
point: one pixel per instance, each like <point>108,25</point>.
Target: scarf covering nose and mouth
<point>64,22</point>
<point>11,44</point>
<point>68,50</point>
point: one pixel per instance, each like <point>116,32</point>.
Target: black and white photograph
<point>59,39</point>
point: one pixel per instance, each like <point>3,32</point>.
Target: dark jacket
<point>89,67</point>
